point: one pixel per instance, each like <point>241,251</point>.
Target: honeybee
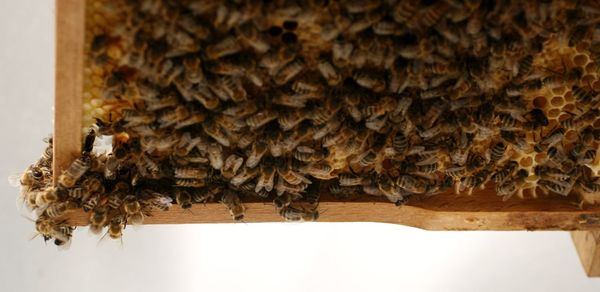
<point>251,37</point>
<point>93,184</point>
<point>550,140</point>
<point>289,71</point>
<point>297,214</point>
<point>194,172</point>
<point>190,183</point>
<point>160,201</point>
<point>58,209</point>
<point>116,226</point>
<point>215,155</point>
<point>346,180</point>
<point>259,148</point>
<point>587,157</point>
<point>577,35</point>
<point>233,203</point>
<point>590,187</point>
<point>370,80</point>
<point>549,173</point>
<point>287,173</point>
<point>98,219</point>
<point>266,178</point>
<point>292,119</point>
<point>62,236</point>
<point>497,152</point>
<point>75,171</point>
<point>90,202</point>
<point>559,187</point>
<point>227,46</point>
<point>516,139</point>
<point>45,197</point>
<point>410,184</point>
<point>341,53</point>
<point>505,172</point>
<point>328,72</point>
<point>244,175</point>
<point>320,170</point>
<point>404,11</point>
<point>231,166</point>
<point>183,198</point>
<point>557,156</point>
<point>511,186</point>
<point>261,118</point>
<point>536,119</point>
<point>133,210</point>
<point>584,96</point>
<point>478,179</point>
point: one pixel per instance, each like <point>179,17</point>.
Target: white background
<point>238,257</point>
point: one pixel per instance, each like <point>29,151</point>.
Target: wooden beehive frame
<point>481,211</point>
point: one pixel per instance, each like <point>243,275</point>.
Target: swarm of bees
<point>282,100</point>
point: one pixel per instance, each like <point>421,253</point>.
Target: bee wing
<point>104,239</point>
<point>14,180</point>
<point>430,160</point>
<point>20,202</point>
<point>103,144</point>
<point>65,246</point>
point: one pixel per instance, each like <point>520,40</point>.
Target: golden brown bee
<point>198,172</point>
<point>505,172</point>
<point>233,203</point>
<point>90,202</point>
<point>550,140</point>
<point>75,171</point>
<point>329,73</point>
<point>511,186</point>
<point>62,236</point>
<point>58,209</point>
<point>160,201</point>
<point>133,210</point>
<point>183,198</point>
<point>215,155</point>
<point>497,152</point>
<point>266,178</point>
<point>296,214</point>
<point>261,118</point>
<point>289,71</point>
<point>591,187</point>
<point>231,166</point>
<point>559,187</point>
<point>116,226</point>
<point>227,46</point>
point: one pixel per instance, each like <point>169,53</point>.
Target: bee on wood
<point>234,204</point>
<point>98,219</point>
<point>297,214</point>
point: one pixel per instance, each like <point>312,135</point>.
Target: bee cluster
<point>284,100</point>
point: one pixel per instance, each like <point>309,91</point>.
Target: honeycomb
<point>556,57</point>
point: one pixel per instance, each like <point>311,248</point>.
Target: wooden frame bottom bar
<point>481,211</point>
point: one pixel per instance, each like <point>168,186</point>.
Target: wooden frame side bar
<point>68,100</point>
<point>587,244</point>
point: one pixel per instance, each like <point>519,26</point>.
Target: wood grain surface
<point>68,99</point>
<point>481,211</point>
<point>588,248</point>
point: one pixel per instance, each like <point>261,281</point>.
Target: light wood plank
<point>481,211</point>
<point>587,244</point>
<point>68,100</point>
